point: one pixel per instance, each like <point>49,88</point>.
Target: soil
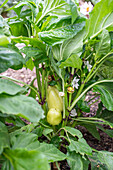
<point>105,143</point>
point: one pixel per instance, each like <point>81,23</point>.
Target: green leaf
<point>18,7</point>
<point>111,36</point>
<point>18,28</point>
<point>100,18</point>
<point>51,152</point>
<point>23,159</point>
<point>10,58</point>
<point>4,41</point>
<point>23,140</point>
<point>72,46</point>
<point>83,105</point>
<point>21,105</point>
<point>53,8</point>
<point>106,70</point>
<point>10,87</point>
<point>73,131</point>
<point>30,64</point>
<point>96,164</point>
<point>106,91</point>
<point>76,161</point>
<point>73,61</point>
<point>92,129</point>
<point>47,131</point>
<point>56,141</point>
<point>7,165</point>
<point>4,27</point>
<point>58,70</point>
<point>80,146</point>
<point>106,158</point>
<point>4,137</point>
<point>31,51</point>
<point>58,35</point>
<point>73,8</point>
<point>103,47</point>
<point>38,54</point>
<point>109,132</point>
<point>34,42</point>
<point>106,115</point>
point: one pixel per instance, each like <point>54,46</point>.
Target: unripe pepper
<point>54,116</point>
<point>54,100</point>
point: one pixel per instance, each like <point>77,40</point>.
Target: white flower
<point>89,66</point>
<point>61,93</point>
<point>73,113</point>
<point>75,83</point>
<point>86,8</point>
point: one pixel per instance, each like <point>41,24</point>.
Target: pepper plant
<point>71,55</point>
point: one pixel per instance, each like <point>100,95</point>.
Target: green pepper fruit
<point>53,99</point>
<point>54,116</point>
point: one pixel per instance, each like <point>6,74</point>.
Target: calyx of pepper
<point>54,100</point>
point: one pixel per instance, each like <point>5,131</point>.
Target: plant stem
<point>70,97</point>
<point>79,97</point>
<point>90,73</point>
<point>38,80</point>
<point>18,81</point>
<point>57,165</point>
<point>43,85</point>
<point>46,83</point>
<point>63,103</point>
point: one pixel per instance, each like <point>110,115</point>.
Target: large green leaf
<point>106,70</point>
<point>34,42</point>
<point>10,87</point>
<point>72,46</point>
<point>76,161</point>
<point>4,137</point>
<point>38,54</point>
<point>103,47</point>
<point>106,158</point>
<point>23,140</point>
<point>58,35</point>
<point>73,131</point>
<point>10,58</point>
<point>23,159</point>
<point>21,105</point>
<point>73,61</point>
<point>57,8</point>
<point>30,5</point>
<point>80,146</point>
<point>96,164</point>
<point>18,29</point>
<point>51,152</point>
<point>106,115</point>
<point>106,91</point>
<point>100,18</point>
